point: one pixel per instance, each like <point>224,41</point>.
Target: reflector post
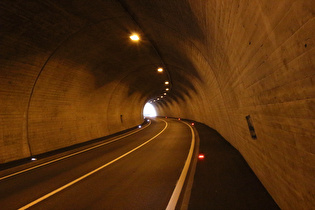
<point>201,156</point>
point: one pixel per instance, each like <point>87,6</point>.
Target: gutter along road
<point>139,171</point>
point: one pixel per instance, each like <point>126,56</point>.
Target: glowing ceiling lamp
<point>135,37</point>
<point>160,70</point>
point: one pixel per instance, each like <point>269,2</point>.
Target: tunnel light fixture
<point>165,94</point>
<point>160,70</point>
<point>139,126</point>
<point>161,96</point>
<point>135,37</point>
<point>33,159</point>
<point>167,89</point>
<point>167,82</point>
<point>158,99</point>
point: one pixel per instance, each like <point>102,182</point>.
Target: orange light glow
<point>134,37</point>
<point>160,70</point>
<point>201,156</point>
<point>192,124</point>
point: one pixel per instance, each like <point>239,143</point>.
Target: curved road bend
<point>139,171</point>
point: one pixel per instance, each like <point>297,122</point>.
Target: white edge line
<point>73,154</point>
<point>180,183</point>
<point>90,173</point>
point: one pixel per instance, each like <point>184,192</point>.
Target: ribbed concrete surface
<point>69,71</point>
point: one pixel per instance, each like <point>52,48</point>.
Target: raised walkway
<point>223,179</point>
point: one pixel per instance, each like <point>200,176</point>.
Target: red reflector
<point>178,118</point>
<point>201,156</point>
<point>165,117</point>
<point>192,124</point>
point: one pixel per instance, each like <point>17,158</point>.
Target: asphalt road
<point>139,171</point>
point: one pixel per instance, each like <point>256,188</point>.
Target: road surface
<point>139,171</point>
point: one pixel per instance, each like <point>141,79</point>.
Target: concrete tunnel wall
<point>69,74</point>
<point>69,70</point>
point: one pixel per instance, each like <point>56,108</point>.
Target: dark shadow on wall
<point>175,14</point>
<point>101,47</point>
<point>41,26</point>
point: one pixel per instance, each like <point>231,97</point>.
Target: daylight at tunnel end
<point>73,71</point>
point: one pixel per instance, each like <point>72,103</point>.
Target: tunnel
<point>70,73</point>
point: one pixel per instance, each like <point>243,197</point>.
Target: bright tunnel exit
<point>149,110</point>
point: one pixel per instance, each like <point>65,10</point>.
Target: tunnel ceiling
<point>169,28</point>
<point>69,68</point>
<point>69,73</point>
<point>95,36</point>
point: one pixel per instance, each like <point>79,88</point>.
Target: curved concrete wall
<point>68,72</point>
<point>256,58</point>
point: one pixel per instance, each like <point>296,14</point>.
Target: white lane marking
<point>180,183</point>
<point>90,173</point>
<point>73,154</point>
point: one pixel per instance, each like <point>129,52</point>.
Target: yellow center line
<point>90,173</point>
<point>73,154</point>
